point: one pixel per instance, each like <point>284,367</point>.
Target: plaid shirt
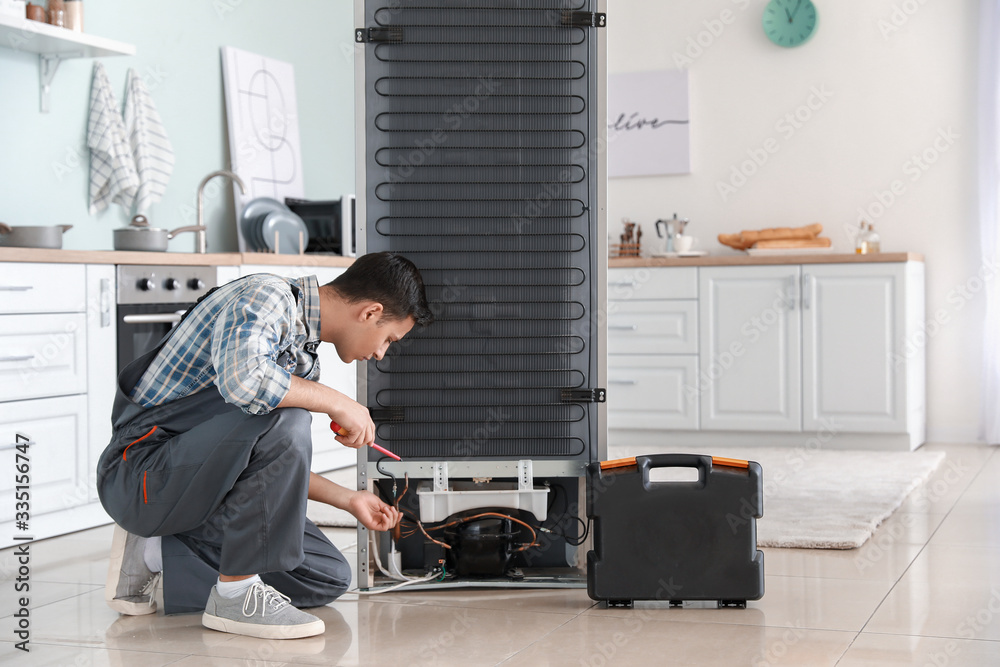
<point>247,338</point>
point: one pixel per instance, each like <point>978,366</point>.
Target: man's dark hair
<point>388,279</point>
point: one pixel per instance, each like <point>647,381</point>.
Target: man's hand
<point>351,415</point>
<point>372,512</point>
<point>355,419</point>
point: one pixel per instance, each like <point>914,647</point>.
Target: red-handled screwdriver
<point>335,427</point>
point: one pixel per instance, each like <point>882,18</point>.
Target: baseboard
<point>679,440</point>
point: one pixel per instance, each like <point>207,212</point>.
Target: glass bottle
<point>861,242</point>
<point>873,240</point>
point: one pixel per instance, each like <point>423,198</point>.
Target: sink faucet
<point>201,239</point>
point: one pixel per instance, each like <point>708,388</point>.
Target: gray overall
<point>226,490</point>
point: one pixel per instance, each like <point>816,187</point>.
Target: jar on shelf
<point>861,241</point>
<point>874,240</point>
<point>74,14</point>
<point>57,13</point>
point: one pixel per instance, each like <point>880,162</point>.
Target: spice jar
<point>36,13</point>
<point>74,14</point>
<point>57,13</point>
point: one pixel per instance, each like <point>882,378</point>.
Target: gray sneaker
<point>131,585</point>
<point>262,612</point>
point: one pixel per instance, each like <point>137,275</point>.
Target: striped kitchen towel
<point>112,168</point>
<point>154,156</point>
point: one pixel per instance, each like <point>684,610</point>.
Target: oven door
<point>141,327</point>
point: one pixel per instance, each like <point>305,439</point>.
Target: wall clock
<point>790,23</point>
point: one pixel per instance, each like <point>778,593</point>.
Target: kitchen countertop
<point>730,259</point>
<point>46,255</point>
<point>236,258</point>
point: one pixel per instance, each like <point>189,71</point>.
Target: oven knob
<point>146,284</point>
<point>196,284</point>
<point>172,284</point>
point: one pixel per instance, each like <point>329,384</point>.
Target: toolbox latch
<point>592,395</point>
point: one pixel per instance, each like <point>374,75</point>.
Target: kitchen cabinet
<point>750,348</point>
<point>652,320</point>
<point>768,354</point>
<point>859,368</point>
<point>57,361</point>
<point>812,347</point>
<point>328,454</point>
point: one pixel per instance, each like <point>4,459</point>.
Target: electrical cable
<point>396,587</point>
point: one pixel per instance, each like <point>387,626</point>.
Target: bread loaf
<point>821,242</point>
<point>748,237</point>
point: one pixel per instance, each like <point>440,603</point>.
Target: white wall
<point>897,77</point>
<point>44,168</point>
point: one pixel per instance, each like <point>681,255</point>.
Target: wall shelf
<point>53,45</point>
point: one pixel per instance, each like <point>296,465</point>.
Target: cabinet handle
<point>624,327</point>
<point>105,302</point>
<point>15,288</point>
<point>624,283</point>
<point>166,318</point>
<point>623,382</point>
<point>23,357</point>
<point>806,287</point>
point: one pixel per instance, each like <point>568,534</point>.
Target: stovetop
<point>142,284</point>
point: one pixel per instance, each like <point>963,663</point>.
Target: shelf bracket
<point>47,66</point>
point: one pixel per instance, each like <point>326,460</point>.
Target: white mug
<point>684,243</point>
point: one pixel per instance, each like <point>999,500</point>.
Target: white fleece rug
<point>812,499</point>
<point>817,499</point>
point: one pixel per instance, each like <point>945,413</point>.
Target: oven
<point>151,301</point>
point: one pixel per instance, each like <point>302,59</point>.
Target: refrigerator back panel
<point>480,163</point>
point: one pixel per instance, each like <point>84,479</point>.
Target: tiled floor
<point>924,591</point>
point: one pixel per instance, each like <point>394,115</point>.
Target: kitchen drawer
<point>42,355</point>
<point>42,288</point>
<point>653,327</point>
<point>59,471</point>
<point>652,391</point>
<point>644,283</point>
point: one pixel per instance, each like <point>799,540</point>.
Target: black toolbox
<point>675,540</point>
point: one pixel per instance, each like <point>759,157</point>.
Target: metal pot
<point>140,236</point>
<point>46,236</point>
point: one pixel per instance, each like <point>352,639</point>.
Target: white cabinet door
<point>653,327</point>
<point>41,288</point>
<point>58,463</point>
<point>43,355</point>
<point>749,357</point>
<point>328,454</point>
<point>647,391</point>
<point>852,321</point>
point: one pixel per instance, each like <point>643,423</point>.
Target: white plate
<point>765,252</point>
<point>689,253</point>
<point>286,226</point>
